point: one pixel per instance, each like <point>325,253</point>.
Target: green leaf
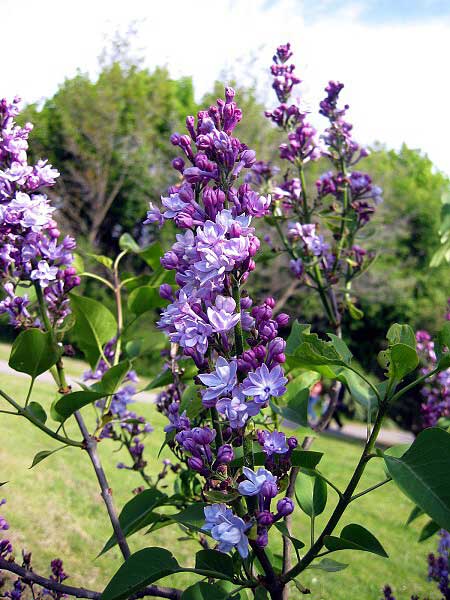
<point>64,406</point>
<point>308,459</point>
<point>191,401</point>
<point>126,242</point>
<point>442,343</point>
<point>36,410</point>
<point>152,254</point>
<point>297,404</point>
<point>189,371</point>
<point>141,569</point>
<point>311,494</point>
<point>414,514</point>
<point>355,537</point>
<point>145,298</point>
<point>95,325</point>
<point>295,337</point>
<point>213,560</point>
<point>428,530</point>
<point>422,473</point>
<point>43,454</point>
<point>33,352</point>
<point>359,390</point>
<point>135,514</point>
<point>78,263</point>
<point>103,260</point>
<point>401,334</point>
<point>402,360</point>
<point>204,591</point>
<point>192,517</point>
<point>329,565</point>
<point>282,528</point>
<point>112,379</point>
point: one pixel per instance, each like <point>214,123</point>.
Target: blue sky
<point>376,12</point>
<point>392,55</point>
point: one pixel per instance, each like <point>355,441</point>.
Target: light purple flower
<point>262,383</point>
<point>227,529</point>
<point>236,410</point>
<point>220,382</point>
<point>154,215</point>
<point>273,443</point>
<point>222,316</point>
<point>254,482</point>
<point>44,273</point>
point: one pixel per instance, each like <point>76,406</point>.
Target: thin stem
<point>30,389</point>
<point>413,384</point>
<point>24,412</point>
<point>91,446</point>
<point>118,299</point>
<point>98,278</point>
<point>239,342</point>
<point>49,584</point>
<point>216,424</point>
<point>343,501</point>
<point>371,488</point>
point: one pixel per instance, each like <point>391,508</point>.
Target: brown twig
<point>49,584</point>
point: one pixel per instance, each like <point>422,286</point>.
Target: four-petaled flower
<point>44,273</point>
<point>220,382</point>
<point>273,443</point>
<point>254,482</point>
<point>262,383</point>
<point>227,529</point>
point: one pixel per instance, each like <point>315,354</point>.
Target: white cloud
<point>395,75</point>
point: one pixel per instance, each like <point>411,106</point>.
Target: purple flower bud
<point>285,507</point>
<point>225,454</point>
<point>265,518</point>
<point>178,164</point>
<point>282,319</point>
<point>263,539</point>
<point>269,489</point>
<point>203,435</point>
<point>292,443</point>
<point>165,292</point>
<point>175,139</point>
<point>195,463</point>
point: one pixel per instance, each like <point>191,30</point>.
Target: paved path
<point>145,397</point>
<point>350,431</point>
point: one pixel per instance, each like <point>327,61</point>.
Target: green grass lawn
<point>55,510</point>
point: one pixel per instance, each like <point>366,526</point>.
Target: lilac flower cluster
<point>438,566</point>
<point>126,426</point>
<point>212,319</point>
<point>343,194</point>
<point>19,586</point>
<point>31,251</point>
<point>436,391</point>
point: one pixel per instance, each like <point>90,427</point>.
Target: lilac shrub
<point>32,249</point>
<point>319,232</point>
<point>231,378</point>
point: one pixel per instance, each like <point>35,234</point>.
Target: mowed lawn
<point>55,510</point>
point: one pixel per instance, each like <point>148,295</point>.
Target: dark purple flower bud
<point>269,489</point>
<point>246,302</point>
<point>292,443</point>
<point>248,157</point>
<point>169,261</point>
<point>165,291</point>
<point>263,539</point>
<point>259,352</point>
<point>195,463</point>
<point>282,319</point>
<point>175,139</point>
<point>285,507</point>
<point>203,435</point>
<point>225,454</point>
<point>229,94</point>
<point>178,164</point>
<point>270,302</point>
<point>265,518</point>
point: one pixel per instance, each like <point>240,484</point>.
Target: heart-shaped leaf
<point>33,352</point>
